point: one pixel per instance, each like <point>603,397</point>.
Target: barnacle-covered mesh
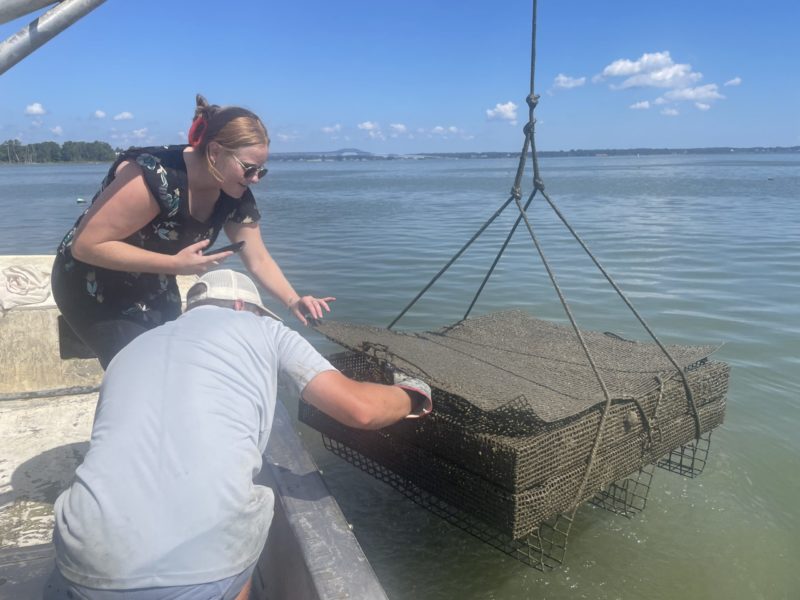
<point>517,410</point>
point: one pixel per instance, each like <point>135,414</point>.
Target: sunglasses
<point>250,170</point>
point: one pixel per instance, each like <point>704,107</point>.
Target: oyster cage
<point>542,549</point>
<point>514,481</point>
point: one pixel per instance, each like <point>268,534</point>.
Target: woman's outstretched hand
<point>309,307</point>
<point>190,260</point>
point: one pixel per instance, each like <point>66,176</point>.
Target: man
<point>164,503</point>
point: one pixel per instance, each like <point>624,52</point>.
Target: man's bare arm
<point>362,405</point>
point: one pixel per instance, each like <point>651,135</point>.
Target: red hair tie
<point>197,131</point>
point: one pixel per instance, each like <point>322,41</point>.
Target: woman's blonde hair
<point>232,127</point>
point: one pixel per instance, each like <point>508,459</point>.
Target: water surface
<point>706,247</point>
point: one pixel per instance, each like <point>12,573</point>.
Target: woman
<point>155,213</point>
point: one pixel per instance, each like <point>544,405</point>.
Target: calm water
<point>707,247</point>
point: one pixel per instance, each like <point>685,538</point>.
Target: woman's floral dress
<point>86,293</point>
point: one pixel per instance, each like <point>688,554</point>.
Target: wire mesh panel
<point>627,497</point>
<point>690,459</point>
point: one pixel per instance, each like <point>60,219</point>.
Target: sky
<point>418,75</point>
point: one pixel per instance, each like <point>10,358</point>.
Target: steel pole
<point>11,9</point>
<point>42,29</point>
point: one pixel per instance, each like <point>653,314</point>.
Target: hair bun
<point>202,106</point>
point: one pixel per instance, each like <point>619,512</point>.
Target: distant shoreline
<point>353,154</point>
<point>350,154</point>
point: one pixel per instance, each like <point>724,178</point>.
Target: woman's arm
<point>260,263</point>
<point>123,208</point>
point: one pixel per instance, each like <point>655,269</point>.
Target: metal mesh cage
<point>502,469</point>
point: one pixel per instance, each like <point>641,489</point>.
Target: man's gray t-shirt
<point>165,495</point>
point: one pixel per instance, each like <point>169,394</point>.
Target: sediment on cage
<point>518,413</point>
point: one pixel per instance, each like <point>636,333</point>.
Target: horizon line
<point>572,150</point>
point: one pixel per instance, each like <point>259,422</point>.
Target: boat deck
<point>44,440</point>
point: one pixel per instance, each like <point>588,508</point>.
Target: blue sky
<point>418,75</point>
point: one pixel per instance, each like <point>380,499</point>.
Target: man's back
<point>165,495</point>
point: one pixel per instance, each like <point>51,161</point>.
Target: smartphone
<point>233,247</point>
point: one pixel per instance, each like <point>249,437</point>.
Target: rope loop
<point>528,129</point>
<point>532,100</point>
<point>516,192</point>
<point>538,184</point>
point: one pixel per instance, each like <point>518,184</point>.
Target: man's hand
<point>419,391</point>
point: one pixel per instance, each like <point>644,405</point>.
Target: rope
<point>497,258</point>
<point>516,195</point>
<point>689,396</point>
<point>451,261</point>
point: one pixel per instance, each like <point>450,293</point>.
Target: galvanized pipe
<point>11,9</point>
<point>42,30</point>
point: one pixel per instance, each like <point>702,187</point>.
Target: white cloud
<point>564,82</point>
<point>373,129</point>
<point>647,62</point>
<point>503,112</point>
<point>655,69</point>
<point>123,116</point>
<point>398,128</point>
<point>332,128</point>
<point>37,122</point>
<point>57,130</point>
<point>35,109</point>
<point>126,138</point>
<point>368,126</point>
<point>703,92</point>
<point>734,81</point>
<point>658,70</point>
<point>448,132</point>
<point>669,77</point>
<point>99,114</point>
<point>286,137</point>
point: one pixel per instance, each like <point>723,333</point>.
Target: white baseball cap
<point>225,284</point>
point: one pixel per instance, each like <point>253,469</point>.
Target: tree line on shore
<point>14,151</point>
